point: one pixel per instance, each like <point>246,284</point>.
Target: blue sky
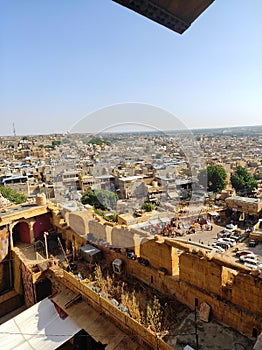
<point>60,60</point>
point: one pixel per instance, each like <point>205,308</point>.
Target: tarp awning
<point>37,328</point>
<point>96,325</point>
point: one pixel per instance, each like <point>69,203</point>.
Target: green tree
<point>56,143</point>
<point>242,181</point>
<point>147,206</point>
<point>98,141</point>
<point>12,195</point>
<point>100,199</point>
<point>216,178</point>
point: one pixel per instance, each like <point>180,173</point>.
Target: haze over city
<point>62,61</point>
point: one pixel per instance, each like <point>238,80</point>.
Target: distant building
<point>250,208</point>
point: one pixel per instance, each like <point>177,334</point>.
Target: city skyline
<point>62,63</point>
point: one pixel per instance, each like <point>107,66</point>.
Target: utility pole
<point>14,132</point>
<point>46,246</point>
<point>63,251</point>
<point>196,332</point>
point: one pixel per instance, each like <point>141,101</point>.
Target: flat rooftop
<point>243,199</point>
<point>21,211</point>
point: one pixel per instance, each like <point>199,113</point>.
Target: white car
<point>224,233</point>
<point>249,256</point>
<point>231,227</point>
<point>223,245</point>
<point>235,236</point>
<point>217,247</point>
<point>229,241</point>
<point>253,264</point>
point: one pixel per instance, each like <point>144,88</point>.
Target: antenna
<point>14,130</point>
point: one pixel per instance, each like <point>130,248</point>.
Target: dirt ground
<point>211,336</point>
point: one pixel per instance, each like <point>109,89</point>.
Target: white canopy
<point>39,327</point>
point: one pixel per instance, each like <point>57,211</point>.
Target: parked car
<point>143,262</point>
<point>219,248</point>
<point>243,252</point>
<point>224,233</point>
<point>223,245</point>
<point>248,256</point>
<point>231,227</point>
<point>253,264</point>
<point>252,243</point>
<point>230,241</point>
<point>236,236</point>
<point>130,254</point>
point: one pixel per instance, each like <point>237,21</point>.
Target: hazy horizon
<point>139,131</point>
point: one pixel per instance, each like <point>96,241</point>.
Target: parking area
<point>257,251</point>
<point>211,336</point>
<point>205,237</point>
<point>209,238</point>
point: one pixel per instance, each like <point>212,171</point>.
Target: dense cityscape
<point>125,212</point>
